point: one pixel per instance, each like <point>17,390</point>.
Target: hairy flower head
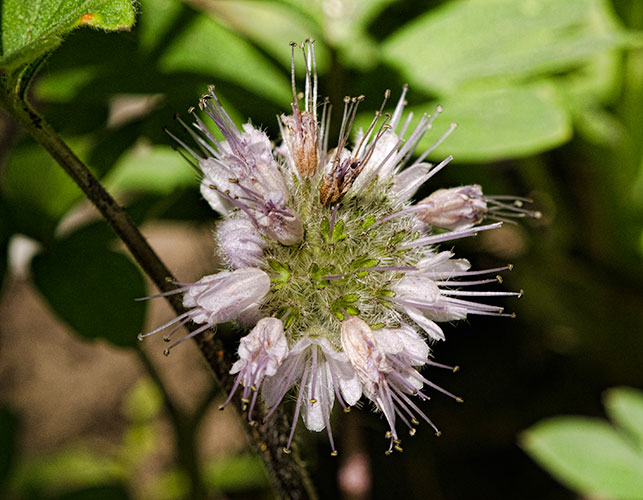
<point>330,262</point>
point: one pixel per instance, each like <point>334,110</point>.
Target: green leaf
<point>35,180</point>
<point>624,406</point>
<point>69,468</point>
<point>239,473</point>
<point>31,29</point>
<point>587,455</point>
<point>470,40</point>
<point>236,60</point>
<point>150,169</point>
<point>92,288</point>
<point>499,123</point>
<point>144,401</point>
<point>272,26</point>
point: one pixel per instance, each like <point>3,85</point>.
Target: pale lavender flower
<point>465,206</point>
<point>385,361</point>
<point>261,352</point>
<point>322,373</point>
<point>241,244</point>
<point>331,262</point>
<point>218,298</point>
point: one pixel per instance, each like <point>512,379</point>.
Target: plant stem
<point>287,473</point>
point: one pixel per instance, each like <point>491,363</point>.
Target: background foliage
<point>548,96</point>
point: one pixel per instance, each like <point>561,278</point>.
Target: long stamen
<point>450,235</point>
<point>421,158</point>
<point>141,336</point>
<point>166,352</point>
<point>313,383</point>
<point>300,398</point>
<point>414,208</point>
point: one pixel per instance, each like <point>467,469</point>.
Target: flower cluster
<point>328,260</point>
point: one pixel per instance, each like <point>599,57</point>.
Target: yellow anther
<point>166,352</point>
<point>412,431</point>
<point>333,453</point>
<point>140,337</point>
<point>459,400</point>
<point>287,451</point>
<point>456,369</point>
<point>438,433</point>
<point>347,410</point>
<point>313,401</point>
<point>388,435</point>
<point>414,421</point>
<point>398,448</point>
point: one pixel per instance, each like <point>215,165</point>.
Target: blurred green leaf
<point>469,40</point>
<point>8,444</point>
<point>92,288</point>
<point>272,26</point>
<point>499,123</point>
<point>143,402</point>
<point>156,19</point>
<point>236,60</point>
<point>587,455</point>
<point>170,485</point>
<point>64,84</point>
<point>34,179</point>
<point>237,473</point>
<point>102,492</point>
<point>67,469</point>
<point>624,406</point>
<point>344,27</point>
<point>29,31</point>
<point>153,169</point>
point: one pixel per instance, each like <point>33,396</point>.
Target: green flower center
<point>344,265</point>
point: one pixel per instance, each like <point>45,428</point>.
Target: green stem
<point>287,473</point>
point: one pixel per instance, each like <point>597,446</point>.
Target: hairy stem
<point>288,476</point>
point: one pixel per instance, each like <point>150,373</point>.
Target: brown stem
<point>287,473</point>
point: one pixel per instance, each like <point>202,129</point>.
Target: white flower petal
<point>433,330</point>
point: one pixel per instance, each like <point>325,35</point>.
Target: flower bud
<point>454,208</point>
<point>222,297</point>
<point>301,137</point>
<point>262,350</point>
<point>240,243</point>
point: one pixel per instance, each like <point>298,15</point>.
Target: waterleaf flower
<point>337,271</point>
